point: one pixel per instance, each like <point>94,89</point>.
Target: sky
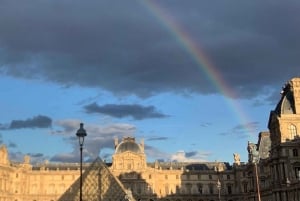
<point>196,80</point>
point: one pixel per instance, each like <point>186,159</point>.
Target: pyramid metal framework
<point>98,184</point>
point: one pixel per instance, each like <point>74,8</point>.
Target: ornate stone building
<point>272,172</point>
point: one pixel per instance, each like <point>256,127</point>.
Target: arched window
<point>292,130</point>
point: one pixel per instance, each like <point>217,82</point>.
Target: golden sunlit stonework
<point>272,172</point>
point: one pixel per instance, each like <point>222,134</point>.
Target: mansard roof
<point>286,104</point>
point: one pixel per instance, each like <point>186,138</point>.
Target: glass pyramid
<point>98,184</point>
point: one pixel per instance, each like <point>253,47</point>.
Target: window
<point>297,172</point>
<point>167,189</point>
<point>228,176</point>
<point>211,189</point>
<point>200,187</point>
<point>139,189</point>
<point>188,187</point>
<point>229,189</point>
<point>295,152</point>
<point>128,166</point>
<point>209,176</point>
<point>245,187</point>
<point>150,176</point>
<point>177,189</point>
<point>293,131</point>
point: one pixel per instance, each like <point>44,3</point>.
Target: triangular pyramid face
<point>98,184</point>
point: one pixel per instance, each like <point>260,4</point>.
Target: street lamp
<point>219,189</point>
<point>81,133</point>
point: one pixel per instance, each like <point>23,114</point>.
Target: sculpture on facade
<point>237,159</point>
<point>253,154</point>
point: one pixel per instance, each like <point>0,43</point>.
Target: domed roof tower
<point>129,155</point>
<point>284,121</point>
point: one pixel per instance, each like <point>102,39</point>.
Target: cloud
<point>12,145</point>
<point>190,154</point>
<point>65,157</point>
<point>206,124</point>
<point>242,130</point>
<point>180,156</point>
<point>156,154</point>
<point>34,157</point>
<point>193,156</point>
<point>97,139</point>
<point>39,121</point>
<point>127,48</point>
<point>157,138</point>
<point>137,112</point>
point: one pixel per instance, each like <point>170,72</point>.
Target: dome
<point>128,144</point>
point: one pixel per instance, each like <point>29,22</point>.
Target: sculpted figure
<point>26,159</point>
<point>253,154</point>
<point>236,158</point>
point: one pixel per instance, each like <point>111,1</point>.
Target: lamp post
<point>81,133</point>
<point>288,183</point>
<point>257,182</point>
<point>254,159</point>
<point>219,189</point>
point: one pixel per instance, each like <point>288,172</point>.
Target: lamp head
<point>81,133</point>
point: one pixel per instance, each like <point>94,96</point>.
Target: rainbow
<point>201,59</point>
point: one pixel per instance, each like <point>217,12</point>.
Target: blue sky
<point>120,70</point>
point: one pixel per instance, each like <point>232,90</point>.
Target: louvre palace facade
<point>272,172</point>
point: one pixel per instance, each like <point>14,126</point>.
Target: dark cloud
<point>65,157</point>
<point>36,155</point>
<point>39,121</point>
<point>127,48</point>
<point>137,112</point>
<point>12,145</point>
<point>191,154</point>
